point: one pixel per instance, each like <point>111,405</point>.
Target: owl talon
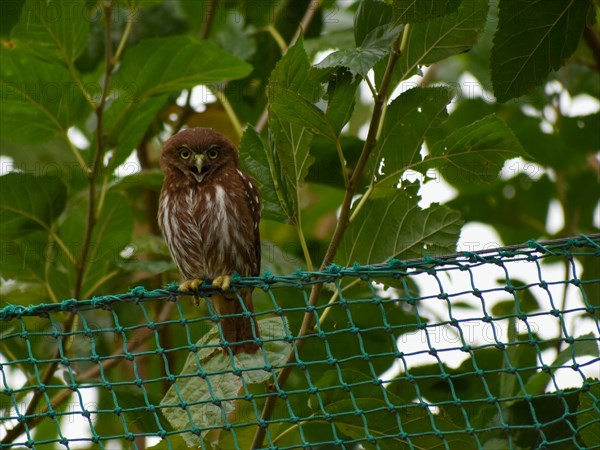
<point>222,282</point>
<point>190,285</point>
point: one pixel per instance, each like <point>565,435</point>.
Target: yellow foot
<point>222,282</point>
<point>191,285</point>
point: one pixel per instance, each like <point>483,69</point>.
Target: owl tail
<point>237,329</point>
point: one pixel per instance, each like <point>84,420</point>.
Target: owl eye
<point>184,153</point>
<point>213,152</point>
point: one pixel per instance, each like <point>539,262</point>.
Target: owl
<point>209,213</point>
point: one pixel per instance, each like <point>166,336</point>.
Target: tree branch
<point>342,224</point>
<point>94,169</point>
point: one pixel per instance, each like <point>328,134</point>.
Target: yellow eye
<point>184,153</point>
<point>213,152</point>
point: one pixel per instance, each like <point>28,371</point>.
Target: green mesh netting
<point>495,349</point>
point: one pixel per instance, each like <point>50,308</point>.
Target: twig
<point>307,258</point>
<point>593,42</point>
<point>342,224</point>
<point>97,161</point>
<point>186,112</point>
<point>231,115</point>
<point>209,18</point>
<point>124,38</point>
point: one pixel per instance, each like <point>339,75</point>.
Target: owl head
<point>197,153</point>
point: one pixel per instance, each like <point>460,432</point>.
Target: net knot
<point>11,311</point>
<point>333,269</point>
<point>138,291</point>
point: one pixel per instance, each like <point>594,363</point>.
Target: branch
<point>186,113</point>
<point>209,18</point>
<point>342,224</point>
<point>593,42</point>
<point>124,38</point>
<point>99,153</point>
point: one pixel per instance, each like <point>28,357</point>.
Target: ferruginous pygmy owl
<point>209,213</point>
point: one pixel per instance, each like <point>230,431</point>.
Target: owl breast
<point>208,227</point>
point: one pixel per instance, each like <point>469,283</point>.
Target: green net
<point>493,349</point>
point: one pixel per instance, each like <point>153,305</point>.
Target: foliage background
<point>90,90</point>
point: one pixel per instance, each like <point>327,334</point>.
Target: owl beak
<point>196,168</point>
<point>199,162</point>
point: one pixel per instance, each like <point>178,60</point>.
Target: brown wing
<point>252,196</point>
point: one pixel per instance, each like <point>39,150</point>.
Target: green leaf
<point>290,145</point>
<point>526,303</point>
<point>292,72</point>
<point>29,203</point>
<point>290,142</point>
<point>411,11</point>
<point>276,260</point>
<point>53,158</point>
<point>321,171</point>
<point>361,385</point>
<point>438,39</point>
<point>588,415</point>
<point>147,266</point>
<point>20,292</point>
<point>407,121</point>
<point>496,204</point>
<point>342,341</point>
<point>156,67</point>
<point>150,254</point>
<point>9,17</point>
<point>533,38</point>
<point>127,123</point>
<point>165,65</point>
<point>576,137</point>
<point>585,345</point>
<point>370,15</point>
<point>258,160</point>
<point>291,107</point>
<point>40,99</point>
<point>353,425</point>
<point>220,383</point>
<point>53,29</point>
<point>170,442</point>
<point>376,45</point>
<point>111,234</point>
<point>235,37</point>
<point>22,259</point>
<point>40,258</point>
<point>341,96</point>
<point>475,153</point>
<point>415,420</point>
<point>590,276</point>
<point>395,227</point>
<point>551,414</point>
